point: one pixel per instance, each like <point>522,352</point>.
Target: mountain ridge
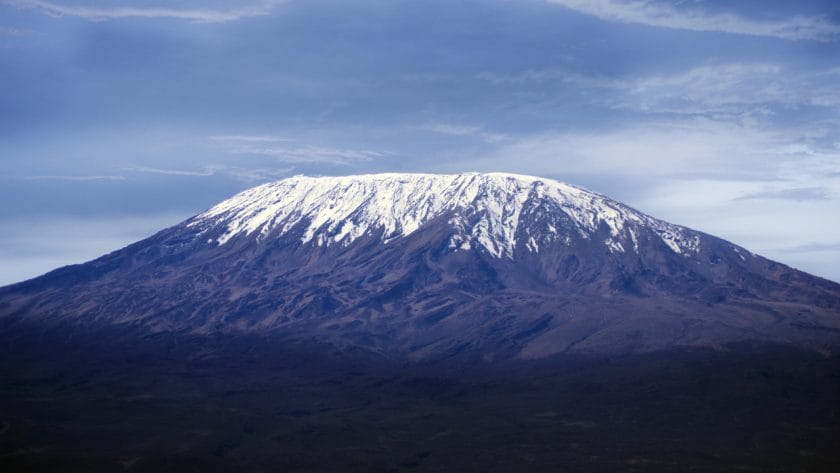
<point>395,284</point>
<point>340,209</point>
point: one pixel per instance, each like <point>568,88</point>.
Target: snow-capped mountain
<point>485,211</point>
<point>422,265</point>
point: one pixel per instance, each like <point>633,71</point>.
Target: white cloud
<point>664,148</point>
<point>668,15</point>
<point>205,15</point>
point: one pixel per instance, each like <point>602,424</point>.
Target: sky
<point>120,118</point>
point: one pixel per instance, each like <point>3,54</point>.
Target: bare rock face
<point>426,266</point>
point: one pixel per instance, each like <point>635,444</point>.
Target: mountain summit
<point>491,211</point>
<point>421,265</point>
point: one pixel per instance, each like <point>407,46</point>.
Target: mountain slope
<point>485,265</point>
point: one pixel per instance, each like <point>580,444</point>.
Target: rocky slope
<point>418,265</point>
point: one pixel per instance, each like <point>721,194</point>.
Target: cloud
<point>464,130</point>
<point>239,173</point>
<point>207,171</point>
<point>258,175</point>
<point>667,15</point>
<point>312,154</point>
<point>250,138</point>
<point>270,145</point>
<point>734,89</point>
<point>203,15</point>
<point>650,149</point>
<point>797,194</point>
<point>75,178</point>
<point>728,88</point>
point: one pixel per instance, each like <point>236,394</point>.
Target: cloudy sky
<point>123,117</point>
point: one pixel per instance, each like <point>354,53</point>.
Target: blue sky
<point>120,118</point>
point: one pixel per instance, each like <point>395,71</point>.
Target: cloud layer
<point>673,15</point>
<point>724,116</point>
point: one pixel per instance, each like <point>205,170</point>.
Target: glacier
<point>484,211</point>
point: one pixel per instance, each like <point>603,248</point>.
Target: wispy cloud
<point>250,138</point>
<point>728,88</point>
<point>650,148</point>
<point>205,172</point>
<point>669,15</point>
<point>239,173</point>
<point>312,154</point>
<point>670,148</point>
<point>74,178</point>
<point>464,130</point>
<point>796,194</point>
<point>262,174</point>
<point>97,13</point>
<point>269,145</point>
<point>732,89</point>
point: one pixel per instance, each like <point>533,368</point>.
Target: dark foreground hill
<point>106,401</point>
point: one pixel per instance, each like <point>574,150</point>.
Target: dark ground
<point>113,401</point>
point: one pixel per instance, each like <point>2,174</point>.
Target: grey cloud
<point>728,88</point>
<point>797,194</point>
<point>731,91</point>
<point>667,15</point>
<point>725,88</point>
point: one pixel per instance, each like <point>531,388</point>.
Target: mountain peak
<point>497,212</point>
<point>426,265</point>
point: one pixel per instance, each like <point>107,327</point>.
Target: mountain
<point>423,323</point>
<point>492,266</point>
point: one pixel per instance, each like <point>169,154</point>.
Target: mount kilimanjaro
<point>423,323</point>
<point>422,266</point>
